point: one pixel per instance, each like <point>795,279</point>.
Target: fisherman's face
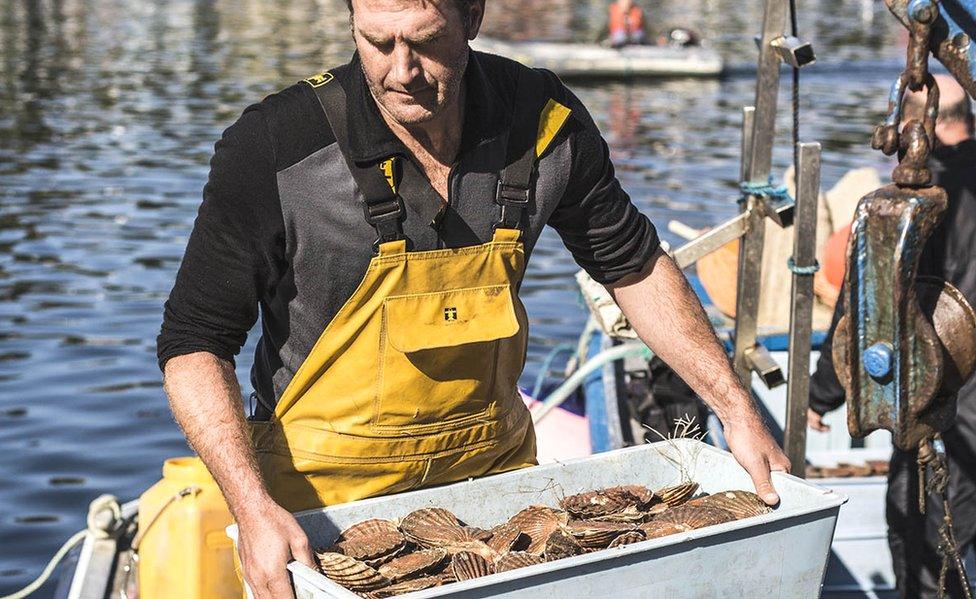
<point>414,54</point>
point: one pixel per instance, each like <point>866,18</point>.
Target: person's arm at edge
<point>669,318</point>
<point>204,396</point>
<point>826,392</point>
<point>619,248</point>
<point>228,262</point>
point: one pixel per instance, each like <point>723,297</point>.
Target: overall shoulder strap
<point>383,207</point>
<point>536,120</point>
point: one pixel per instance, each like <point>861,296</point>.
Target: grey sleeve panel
<point>328,244</point>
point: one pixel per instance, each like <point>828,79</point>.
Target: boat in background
<point>576,60</point>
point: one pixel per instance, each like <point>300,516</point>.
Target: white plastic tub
<point>781,554</point>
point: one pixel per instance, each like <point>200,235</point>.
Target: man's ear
<point>474,17</point>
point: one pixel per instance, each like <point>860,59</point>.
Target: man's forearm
<point>669,318</point>
<point>206,401</point>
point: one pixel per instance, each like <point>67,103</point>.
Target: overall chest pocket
<point>440,357</point>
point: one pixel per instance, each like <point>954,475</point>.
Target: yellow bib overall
<point>413,382</point>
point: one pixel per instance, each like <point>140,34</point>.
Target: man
<point>951,256</point>
<point>625,22</point>
<point>384,242</point>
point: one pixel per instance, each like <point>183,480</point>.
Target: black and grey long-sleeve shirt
<point>281,226</point>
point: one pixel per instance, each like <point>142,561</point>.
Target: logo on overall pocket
<point>450,314</point>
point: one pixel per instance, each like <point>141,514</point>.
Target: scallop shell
<point>593,534</point>
<point>638,495</point>
<point>446,573</point>
<point>407,586</point>
<point>594,504</point>
<point>412,564</point>
<point>472,546</point>
<point>351,573</point>
<point>430,516</point>
<point>517,559</point>
<point>467,566</point>
<point>657,507</point>
<point>506,536</point>
<point>438,535</point>
<point>476,533</point>
<point>629,514</point>
<point>561,544</point>
<point>655,529</point>
<point>677,494</point>
<point>742,504</point>
<point>368,528</point>
<point>373,547</point>
<point>695,516</point>
<point>537,523</point>
<point>633,536</point>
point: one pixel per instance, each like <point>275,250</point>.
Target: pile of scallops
<point>432,547</point>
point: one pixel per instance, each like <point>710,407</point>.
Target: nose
<point>406,67</point>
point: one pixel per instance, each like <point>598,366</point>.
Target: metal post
<point>746,302</point>
<point>757,164</point>
<point>801,305</point>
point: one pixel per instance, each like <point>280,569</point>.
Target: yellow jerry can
<point>183,549</point>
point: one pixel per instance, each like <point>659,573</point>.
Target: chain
<point>917,138</point>
<point>938,484</point>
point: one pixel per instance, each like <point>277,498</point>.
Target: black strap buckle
<point>385,217</point>
<point>514,201</point>
<point>516,196</point>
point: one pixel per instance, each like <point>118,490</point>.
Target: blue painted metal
<point>596,405</point>
<point>960,17</point>
<point>953,38</point>
<point>879,360</point>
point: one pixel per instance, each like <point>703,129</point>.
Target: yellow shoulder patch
<point>551,122</point>
<point>388,167</point>
<point>320,79</point>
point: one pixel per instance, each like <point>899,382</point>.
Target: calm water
<point>108,114</point>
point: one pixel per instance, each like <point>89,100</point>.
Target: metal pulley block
<point>904,346</point>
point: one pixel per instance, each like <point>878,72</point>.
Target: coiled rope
<point>97,526</point>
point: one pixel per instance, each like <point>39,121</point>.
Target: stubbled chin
<point>409,114</point>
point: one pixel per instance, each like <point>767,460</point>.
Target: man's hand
<point>815,421</point>
<point>756,451</point>
<point>269,538</point>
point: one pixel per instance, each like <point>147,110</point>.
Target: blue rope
<point>808,271</point>
<point>766,190</point>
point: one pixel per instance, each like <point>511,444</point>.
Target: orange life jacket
<point>629,22</point>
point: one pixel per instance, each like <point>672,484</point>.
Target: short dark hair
<point>462,5</point>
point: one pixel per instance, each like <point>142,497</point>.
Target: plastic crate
<point>782,554</point>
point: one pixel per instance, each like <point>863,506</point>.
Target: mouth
<point>413,93</point>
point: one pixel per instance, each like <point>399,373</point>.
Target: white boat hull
<point>592,60</point>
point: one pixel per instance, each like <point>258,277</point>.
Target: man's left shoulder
<point>505,74</point>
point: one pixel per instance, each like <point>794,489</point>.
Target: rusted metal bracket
<point>953,31</point>
<point>708,242</point>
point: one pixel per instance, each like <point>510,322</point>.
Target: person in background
<point>625,20</point>
<point>951,256</point>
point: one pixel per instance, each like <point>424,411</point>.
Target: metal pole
<point>746,302</point>
<point>757,164</point>
<point>801,305</point>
